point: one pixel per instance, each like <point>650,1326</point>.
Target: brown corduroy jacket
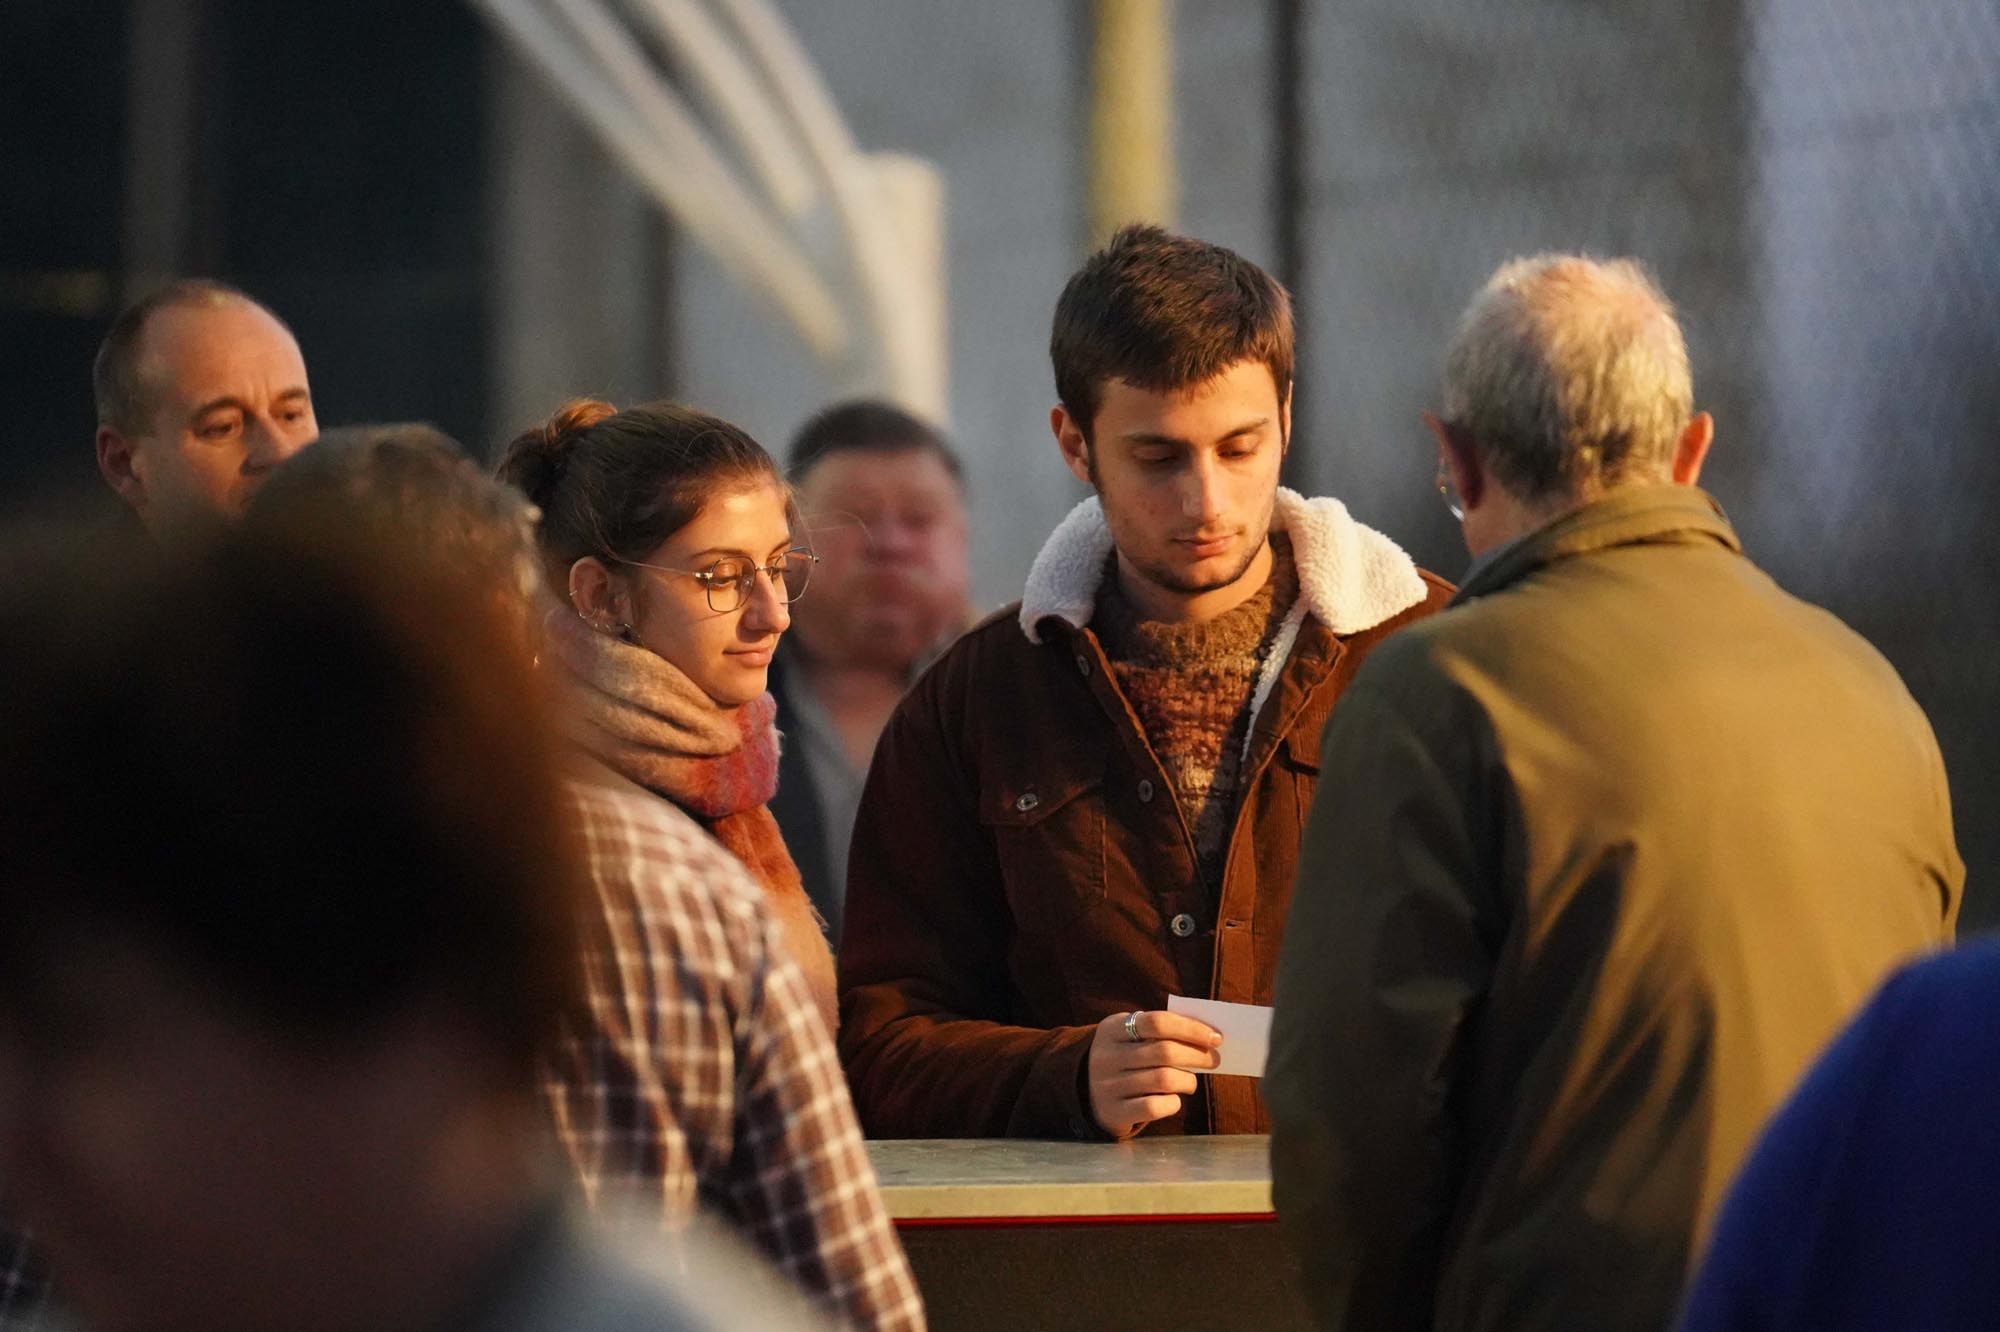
<point>1021,869</point>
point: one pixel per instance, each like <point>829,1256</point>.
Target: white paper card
<point>1245,1028</point>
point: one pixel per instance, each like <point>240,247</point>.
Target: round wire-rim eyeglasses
<point>728,581</point>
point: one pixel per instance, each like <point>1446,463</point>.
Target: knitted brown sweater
<point>1191,686</point>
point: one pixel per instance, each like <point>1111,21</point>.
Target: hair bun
<point>571,419</point>
<point>536,459</point>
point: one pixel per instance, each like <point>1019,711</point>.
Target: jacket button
<point>1145,789</point>
<point>1027,801</point>
<point>1082,664</point>
<point>1182,925</point>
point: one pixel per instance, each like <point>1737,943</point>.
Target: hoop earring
<point>621,630</point>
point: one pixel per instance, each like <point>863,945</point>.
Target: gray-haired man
<point>1620,840</point>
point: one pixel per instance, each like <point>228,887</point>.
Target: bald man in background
<point>200,392</point>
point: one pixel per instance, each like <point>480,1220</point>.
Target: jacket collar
<point>1351,577</point>
<point>1630,515</point>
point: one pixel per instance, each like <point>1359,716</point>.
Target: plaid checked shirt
<point>708,1077</point>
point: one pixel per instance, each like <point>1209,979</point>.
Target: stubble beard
<point>1164,576</point>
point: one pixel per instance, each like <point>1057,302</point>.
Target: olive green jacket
<point>1604,854</point>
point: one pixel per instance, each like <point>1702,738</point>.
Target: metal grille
<point>1815,182</point>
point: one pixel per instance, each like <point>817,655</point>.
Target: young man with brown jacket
<point>1094,800</point>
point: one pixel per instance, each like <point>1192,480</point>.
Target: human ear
<point>114,464</point>
<point>1691,449</point>
<point>1460,460</point>
<point>1075,448</point>
<point>596,594</point>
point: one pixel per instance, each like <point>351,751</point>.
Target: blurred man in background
<point>1602,856</point>
<point>200,392</point>
<point>276,974</point>
<point>884,499</point>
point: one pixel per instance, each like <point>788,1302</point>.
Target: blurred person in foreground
<point>669,535</point>
<point>1604,854</point>
<point>200,392</point>
<point>1868,1202</point>
<point>276,976</point>
<point>884,498</point>
<point>1092,801</point>
<point>698,1075</point>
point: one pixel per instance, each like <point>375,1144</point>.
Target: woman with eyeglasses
<point>670,533</point>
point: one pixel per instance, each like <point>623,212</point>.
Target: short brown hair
<point>1164,312</point>
<point>615,484</point>
<point>122,402</point>
<point>867,425</point>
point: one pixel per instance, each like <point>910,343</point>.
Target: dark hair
<point>867,425</point>
<point>335,789</point>
<point>412,484</point>
<point>122,401</point>
<point>616,484</point>
<point>1165,312</point>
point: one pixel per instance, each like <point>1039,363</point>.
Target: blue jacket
<point>1870,1201</point>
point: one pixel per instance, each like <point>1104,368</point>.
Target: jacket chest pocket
<point>1297,756</point>
<point>1295,772</point>
<point>1049,841</point>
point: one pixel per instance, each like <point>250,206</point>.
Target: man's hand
<point>1134,1082</point>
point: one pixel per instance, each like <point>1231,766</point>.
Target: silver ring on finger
<point>1132,1026</point>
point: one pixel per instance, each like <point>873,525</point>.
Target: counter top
<point>937,1178</point>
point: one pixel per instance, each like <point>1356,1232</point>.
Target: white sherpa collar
<point>1351,577</point>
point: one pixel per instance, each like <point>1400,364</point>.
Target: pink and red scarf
<point>644,717</point>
